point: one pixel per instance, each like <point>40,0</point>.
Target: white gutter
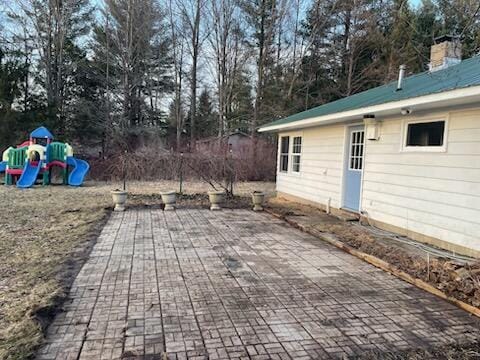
<point>444,99</point>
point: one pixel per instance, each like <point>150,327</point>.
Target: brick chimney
<point>446,51</point>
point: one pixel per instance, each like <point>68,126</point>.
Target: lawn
<point>46,234</point>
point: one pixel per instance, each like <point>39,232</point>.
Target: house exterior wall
<point>432,193</point>
<point>321,166</point>
<point>426,195</point>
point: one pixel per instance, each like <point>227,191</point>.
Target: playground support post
<point>46,177</point>
<point>65,175</point>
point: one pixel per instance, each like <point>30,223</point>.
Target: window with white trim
<point>296,153</point>
<point>284,147</point>
<point>425,134</point>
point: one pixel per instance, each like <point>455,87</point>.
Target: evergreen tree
<point>206,121</point>
<point>262,16</point>
<point>426,27</point>
<point>240,104</point>
<point>345,50</point>
<point>400,47</point>
<point>268,58</point>
<point>132,51</point>
<point>10,77</point>
<point>461,18</point>
<point>57,29</point>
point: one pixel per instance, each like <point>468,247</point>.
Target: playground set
<point>34,159</point>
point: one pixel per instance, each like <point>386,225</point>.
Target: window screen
<point>296,152</point>
<point>284,146</point>
<point>426,134</point>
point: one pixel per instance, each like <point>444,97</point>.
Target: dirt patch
<point>455,352</point>
<point>46,233</point>
<point>461,281</point>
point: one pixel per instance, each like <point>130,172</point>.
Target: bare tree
<point>191,12</point>
<point>225,40</point>
<point>178,59</point>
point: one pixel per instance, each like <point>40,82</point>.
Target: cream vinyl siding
<point>432,193</point>
<point>321,166</point>
<point>436,193</point>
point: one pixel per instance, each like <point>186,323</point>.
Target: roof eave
<point>444,99</point>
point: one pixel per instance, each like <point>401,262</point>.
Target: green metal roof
<point>462,75</point>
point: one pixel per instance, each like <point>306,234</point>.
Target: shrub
<point>255,163</point>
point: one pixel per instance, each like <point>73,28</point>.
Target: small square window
<point>426,133</point>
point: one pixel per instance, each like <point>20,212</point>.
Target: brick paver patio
<point>238,284</point>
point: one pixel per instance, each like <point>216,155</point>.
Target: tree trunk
<point>193,84</point>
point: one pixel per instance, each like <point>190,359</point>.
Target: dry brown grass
<point>45,234</point>
<point>455,352</point>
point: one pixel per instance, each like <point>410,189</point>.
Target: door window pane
<point>356,150</point>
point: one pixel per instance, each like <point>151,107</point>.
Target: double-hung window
<point>290,154</point>
<point>284,148</point>
<point>296,153</point>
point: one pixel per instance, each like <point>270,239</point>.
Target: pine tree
<point>240,104</point>
<point>399,48</point>
<point>206,121</point>
<point>461,18</point>
<point>132,43</point>
<point>57,29</point>
<point>262,18</point>
<point>10,77</point>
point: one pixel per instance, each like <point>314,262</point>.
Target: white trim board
<point>424,149</point>
<point>456,97</point>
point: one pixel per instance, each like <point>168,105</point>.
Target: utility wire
<point>426,248</point>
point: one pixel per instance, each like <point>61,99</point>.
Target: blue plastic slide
<point>80,169</point>
<point>3,166</point>
<point>29,174</point>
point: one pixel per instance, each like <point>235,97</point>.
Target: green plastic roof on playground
<point>462,75</point>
